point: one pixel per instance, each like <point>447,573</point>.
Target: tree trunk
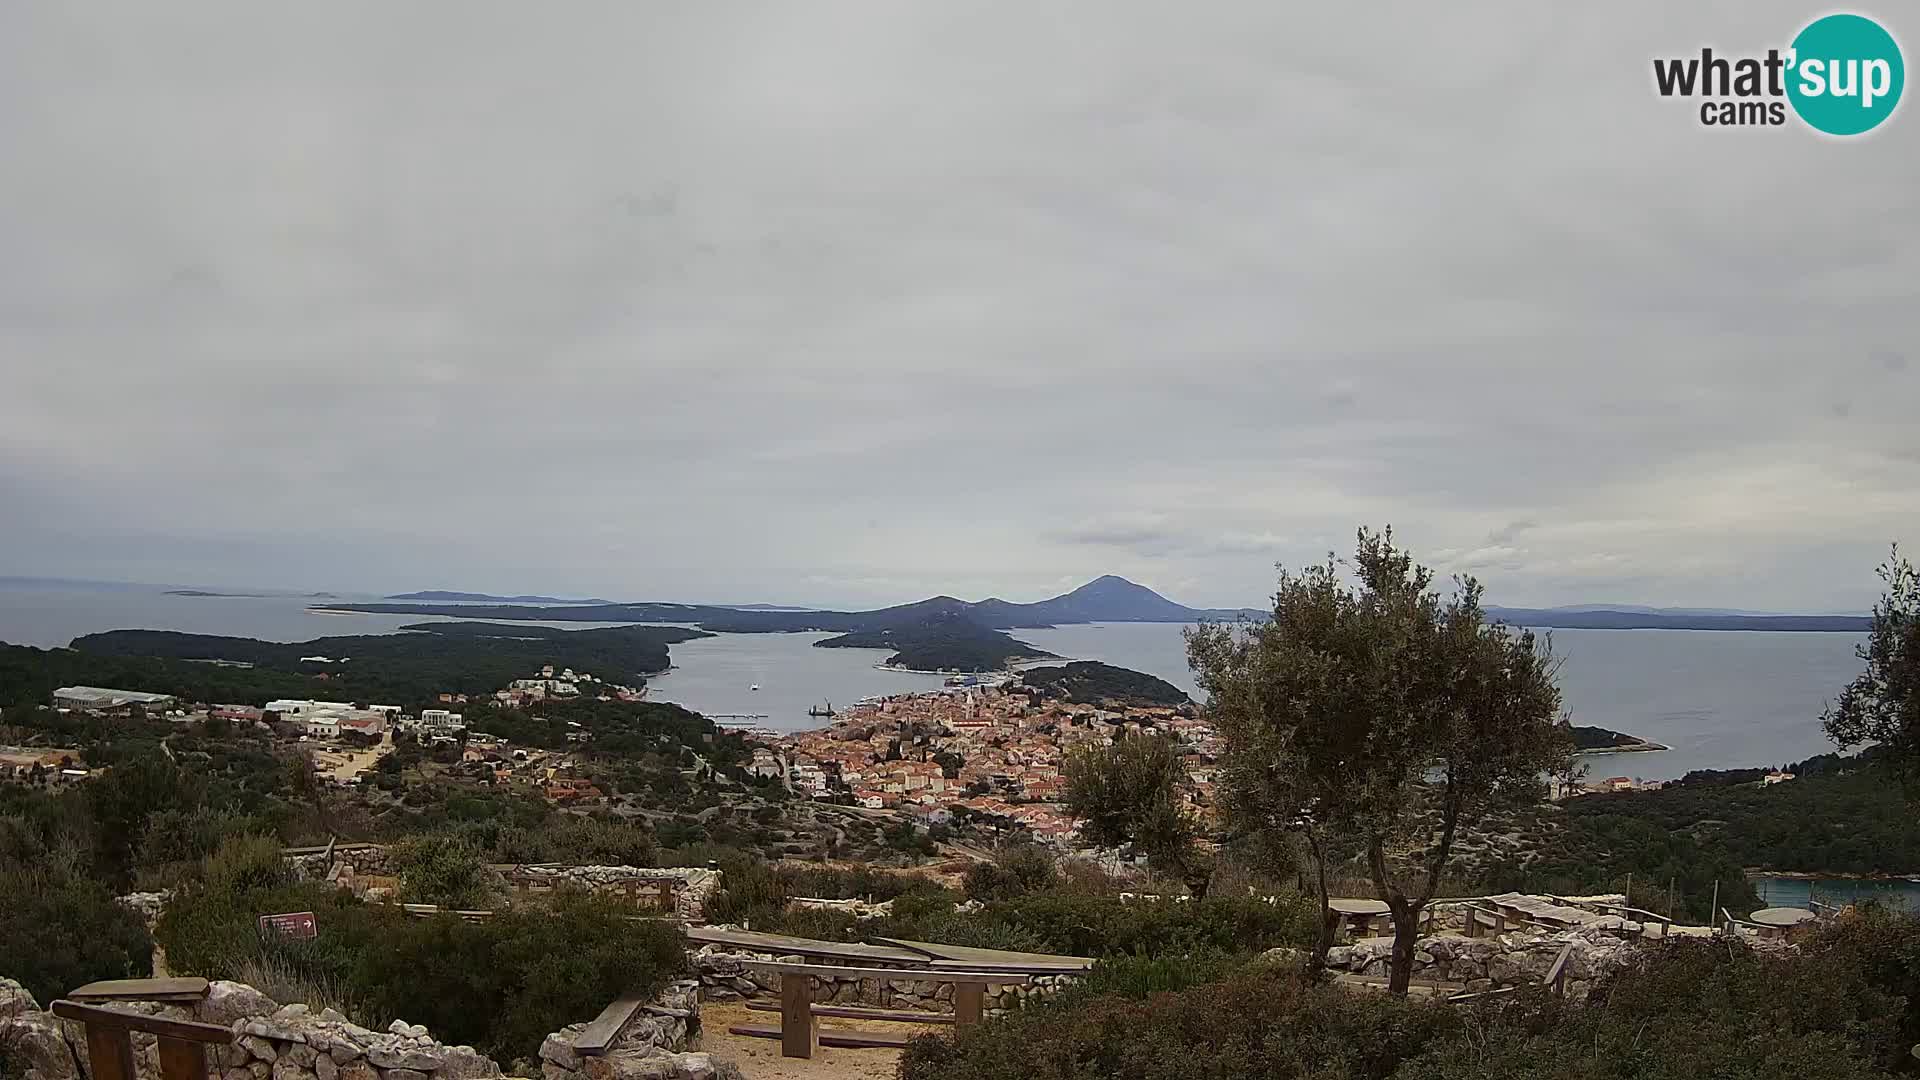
<point>1328,921</point>
<point>1406,932</point>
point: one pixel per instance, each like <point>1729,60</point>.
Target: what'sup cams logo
<point>1842,76</point>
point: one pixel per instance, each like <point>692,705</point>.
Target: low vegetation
<point>1839,1010</point>
<point>500,984</point>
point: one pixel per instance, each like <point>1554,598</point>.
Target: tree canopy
<point>1882,704</point>
<point>1370,700</point>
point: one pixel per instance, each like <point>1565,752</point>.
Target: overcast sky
<point>852,303</point>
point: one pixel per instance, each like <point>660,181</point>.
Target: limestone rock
<point>405,1074</point>
<point>558,1047</point>
<point>258,1047</point>
<point>325,1068</point>
<point>14,999</point>
<point>417,1058</point>
<point>36,1043</point>
<point>227,1002</point>
<point>465,1063</point>
<point>359,1070</point>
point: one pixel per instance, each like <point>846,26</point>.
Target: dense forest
<point>406,669</point>
<point>1091,682</point>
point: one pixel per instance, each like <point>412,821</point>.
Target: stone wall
<point>724,976</point>
<point>651,1047</point>
<point>691,886</point>
<point>1518,958</point>
<point>272,1042</point>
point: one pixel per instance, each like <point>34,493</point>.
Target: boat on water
<point>755,686</point>
<point>821,710</point>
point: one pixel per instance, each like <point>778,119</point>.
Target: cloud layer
<point>853,302</point>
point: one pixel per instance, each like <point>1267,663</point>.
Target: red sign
<point>298,925</point>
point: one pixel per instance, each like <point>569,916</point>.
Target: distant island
<point>1590,618</point>
<point>488,598</point>
<point>1599,740</point>
<point>408,668</point>
<point>204,592</point>
<point>942,639</point>
<point>1093,683</point>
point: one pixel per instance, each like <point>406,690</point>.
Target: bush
<point>443,869</point>
<point>1681,1009</point>
<point>1016,873</point>
<point>504,983</point>
<point>1262,1024</point>
<point>60,929</point>
<point>1083,925</point>
<point>500,984</point>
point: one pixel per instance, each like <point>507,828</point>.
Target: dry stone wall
<point>692,887</point>
<point>1519,958</point>
<point>651,1047</point>
<point>271,1042</point>
<point>725,976</point>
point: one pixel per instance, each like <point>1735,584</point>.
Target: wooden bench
<point>174,990</point>
<point>799,1031</point>
<point>182,1043</point>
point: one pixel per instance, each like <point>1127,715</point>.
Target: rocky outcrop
<point>33,1043</point>
<point>271,1042</point>
<point>1521,958</point>
<point>725,976</point>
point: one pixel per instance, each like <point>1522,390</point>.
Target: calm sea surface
<point>1719,699</point>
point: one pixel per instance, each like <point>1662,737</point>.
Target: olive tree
<point>1882,704</point>
<point>1375,714</point>
<point>1128,795</point>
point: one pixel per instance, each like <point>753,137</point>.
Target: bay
<point>1719,699</point>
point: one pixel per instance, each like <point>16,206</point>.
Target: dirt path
<point>759,1059</point>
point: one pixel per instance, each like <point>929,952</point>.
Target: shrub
<point>443,869</point>
<point>504,983</point>
<point>60,929</point>
<point>1262,1024</point>
<point>1016,873</point>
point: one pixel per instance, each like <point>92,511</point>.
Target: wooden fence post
<point>798,1035</point>
<point>969,1003</point>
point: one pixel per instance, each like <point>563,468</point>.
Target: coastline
<point>1636,748</point>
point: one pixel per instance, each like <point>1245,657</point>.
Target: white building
<point>439,722</point>
<point>298,708</point>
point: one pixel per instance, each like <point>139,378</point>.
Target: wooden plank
<point>849,1012</point>
<point>783,944</point>
<point>140,990</point>
<point>990,959</point>
<point>827,971</point>
<point>858,1040</point>
<point>797,1025</point>
<point>605,1028</point>
<point>182,1059</point>
<point>153,1025</point>
<point>1557,974</point>
<point>109,1051</point>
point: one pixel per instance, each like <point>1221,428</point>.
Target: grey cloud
<point>855,302</point>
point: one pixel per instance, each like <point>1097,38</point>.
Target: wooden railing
<point>182,1043</point>
<point>799,1032</point>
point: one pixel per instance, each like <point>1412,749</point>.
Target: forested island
<point>405,668</point>
<point>1599,740</point>
<point>940,641</point>
<point>1093,683</point>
